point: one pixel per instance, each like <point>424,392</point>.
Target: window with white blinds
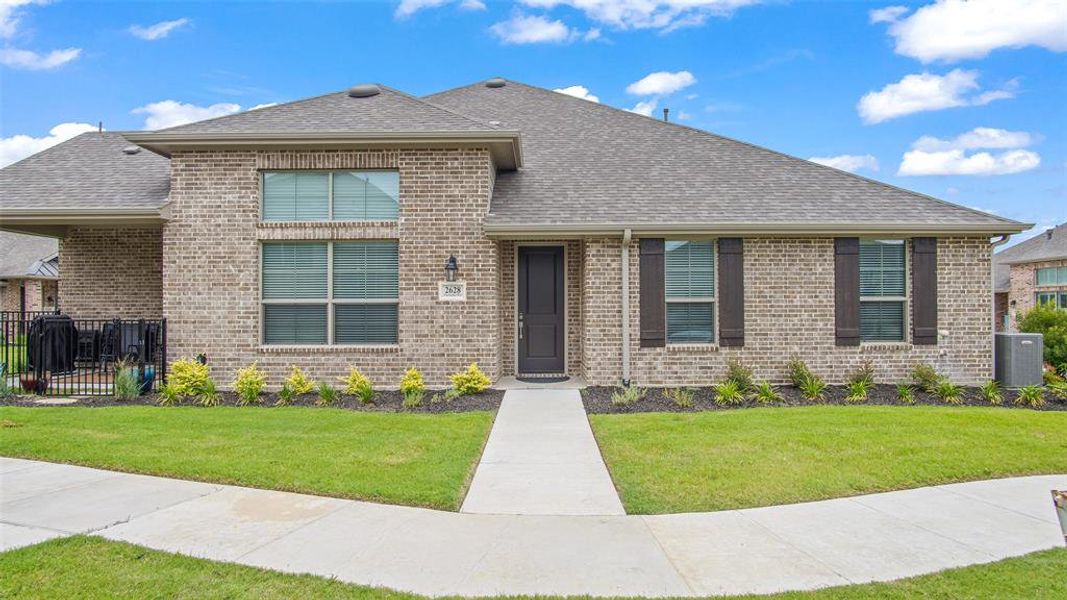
<point>331,195</point>
<point>343,293</point>
<point>883,290</point>
<point>689,290</point>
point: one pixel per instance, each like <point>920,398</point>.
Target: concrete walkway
<point>803,546</point>
<point>542,459</point>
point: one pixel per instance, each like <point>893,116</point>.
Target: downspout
<point>993,296</point>
<point>626,236</point>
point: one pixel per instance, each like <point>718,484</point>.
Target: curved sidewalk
<point>795,547</point>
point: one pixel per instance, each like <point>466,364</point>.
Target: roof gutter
<point>755,229</point>
<point>68,216</point>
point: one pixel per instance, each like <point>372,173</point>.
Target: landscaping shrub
<point>412,387</point>
<point>765,393</point>
<point>249,384</point>
<point>990,392</point>
<point>925,377</point>
<point>628,395</point>
<point>948,392</point>
<point>285,395</point>
<point>187,377</point>
<point>168,395</point>
<point>812,387</point>
<point>209,394</point>
<point>471,381</point>
<point>299,383</point>
<point>682,397</point>
<point>864,373</point>
<point>798,372</point>
<point>327,395</point>
<point>858,390</point>
<point>905,393</point>
<point>1058,390</point>
<point>739,374</point>
<point>729,393</point>
<point>1052,323</point>
<point>357,384</point>
<point>1032,396</point>
<point>127,383</point>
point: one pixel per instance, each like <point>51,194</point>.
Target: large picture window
<point>883,290</point>
<point>1052,276</point>
<point>689,270</point>
<point>331,195</point>
<point>343,293</point>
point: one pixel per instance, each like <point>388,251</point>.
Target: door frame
<point>515,303</point>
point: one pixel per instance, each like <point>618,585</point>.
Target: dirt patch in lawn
<point>598,400</point>
<point>384,401</point>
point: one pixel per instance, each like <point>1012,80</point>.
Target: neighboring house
<point>1030,273</point>
<point>29,271</point>
<point>588,241</point>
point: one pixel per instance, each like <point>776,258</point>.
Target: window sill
<point>874,346</point>
<point>316,349</point>
<point>692,348</point>
<point>332,224</point>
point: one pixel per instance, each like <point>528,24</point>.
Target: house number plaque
<point>452,291</point>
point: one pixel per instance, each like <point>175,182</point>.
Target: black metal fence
<point>57,355</point>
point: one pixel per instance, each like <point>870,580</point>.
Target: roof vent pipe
<point>364,90</point>
<point>1048,234</point>
<point>666,112</point>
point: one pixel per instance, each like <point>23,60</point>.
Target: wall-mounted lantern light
<point>450,268</point>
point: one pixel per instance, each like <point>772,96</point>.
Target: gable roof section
<point>594,168</point>
<point>27,256</point>
<point>1041,247</point>
<point>89,172</point>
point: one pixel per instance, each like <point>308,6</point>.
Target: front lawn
<point>414,459</point>
<point>666,463</point>
<point>88,567</point>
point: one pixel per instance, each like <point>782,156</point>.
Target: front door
<point>541,309</point>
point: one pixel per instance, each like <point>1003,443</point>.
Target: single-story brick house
<point>586,241</point>
<point>1031,273</point>
<point>29,272</point>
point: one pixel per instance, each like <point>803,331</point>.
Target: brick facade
<point>211,267</point>
<point>111,273</point>
<point>38,291</point>
<point>1023,292</point>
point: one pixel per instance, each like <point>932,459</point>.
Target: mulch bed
<point>386,401</point>
<point>597,400</point>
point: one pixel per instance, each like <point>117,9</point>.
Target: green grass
<point>89,567</point>
<point>664,463</point>
<point>413,459</point>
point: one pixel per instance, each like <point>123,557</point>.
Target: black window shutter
<point>924,290</point>
<point>653,306</point>
<point>847,291</point>
<point>731,292</point>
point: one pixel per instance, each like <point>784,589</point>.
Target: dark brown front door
<point>541,309</point>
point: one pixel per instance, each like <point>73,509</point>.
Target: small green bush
<point>327,395</point>
<point>127,384</point>
<point>446,396</point>
<point>858,390</point>
<point>740,374</point>
<point>1052,324</point>
<point>1032,396</point>
<point>285,395</point>
<point>949,392</point>
<point>765,393</point>
<point>471,381</point>
<point>412,387</point>
<point>169,396</point>
<point>299,383</point>
<point>813,388</point>
<point>798,372</point>
<point>357,384</point>
<point>729,393</point>
<point>249,384</point>
<point>682,397</point>
<point>188,377</point>
<point>864,373</point>
<point>209,395</point>
<point>1058,390</point>
<point>990,392</point>
<point>905,393</point>
<point>925,377</point>
<point>628,395</point>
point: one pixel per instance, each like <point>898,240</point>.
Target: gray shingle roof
<point>1041,247</point>
<point>388,111</point>
<point>24,255</point>
<point>87,171</point>
<point>587,163</point>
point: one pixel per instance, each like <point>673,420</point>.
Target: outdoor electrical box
<point>1019,359</point>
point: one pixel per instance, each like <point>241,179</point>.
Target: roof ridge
<point>748,144</point>
<point>437,106</point>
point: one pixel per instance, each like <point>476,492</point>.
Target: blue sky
<point>946,98</point>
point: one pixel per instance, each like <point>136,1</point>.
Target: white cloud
<point>934,156</point>
<point>264,105</point>
<point>957,162</point>
<point>950,30</point>
<point>661,83</point>
<point>18,147</point>
<point>666,15</point>
<point>684,116</point>
<point>591,35</point>
<point>406,8</point>
<point>472,5</point>
<point>926,91</point>
<point>979,137</point>
<point>645,108</point>
<point>159,30</point>
<point>889,14</point>
<point>32,61</point>
<point>848,162</point>
<point>10,15</point>
<point>170,113</point>
<point>533,29</point>
<point>578,91</point>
